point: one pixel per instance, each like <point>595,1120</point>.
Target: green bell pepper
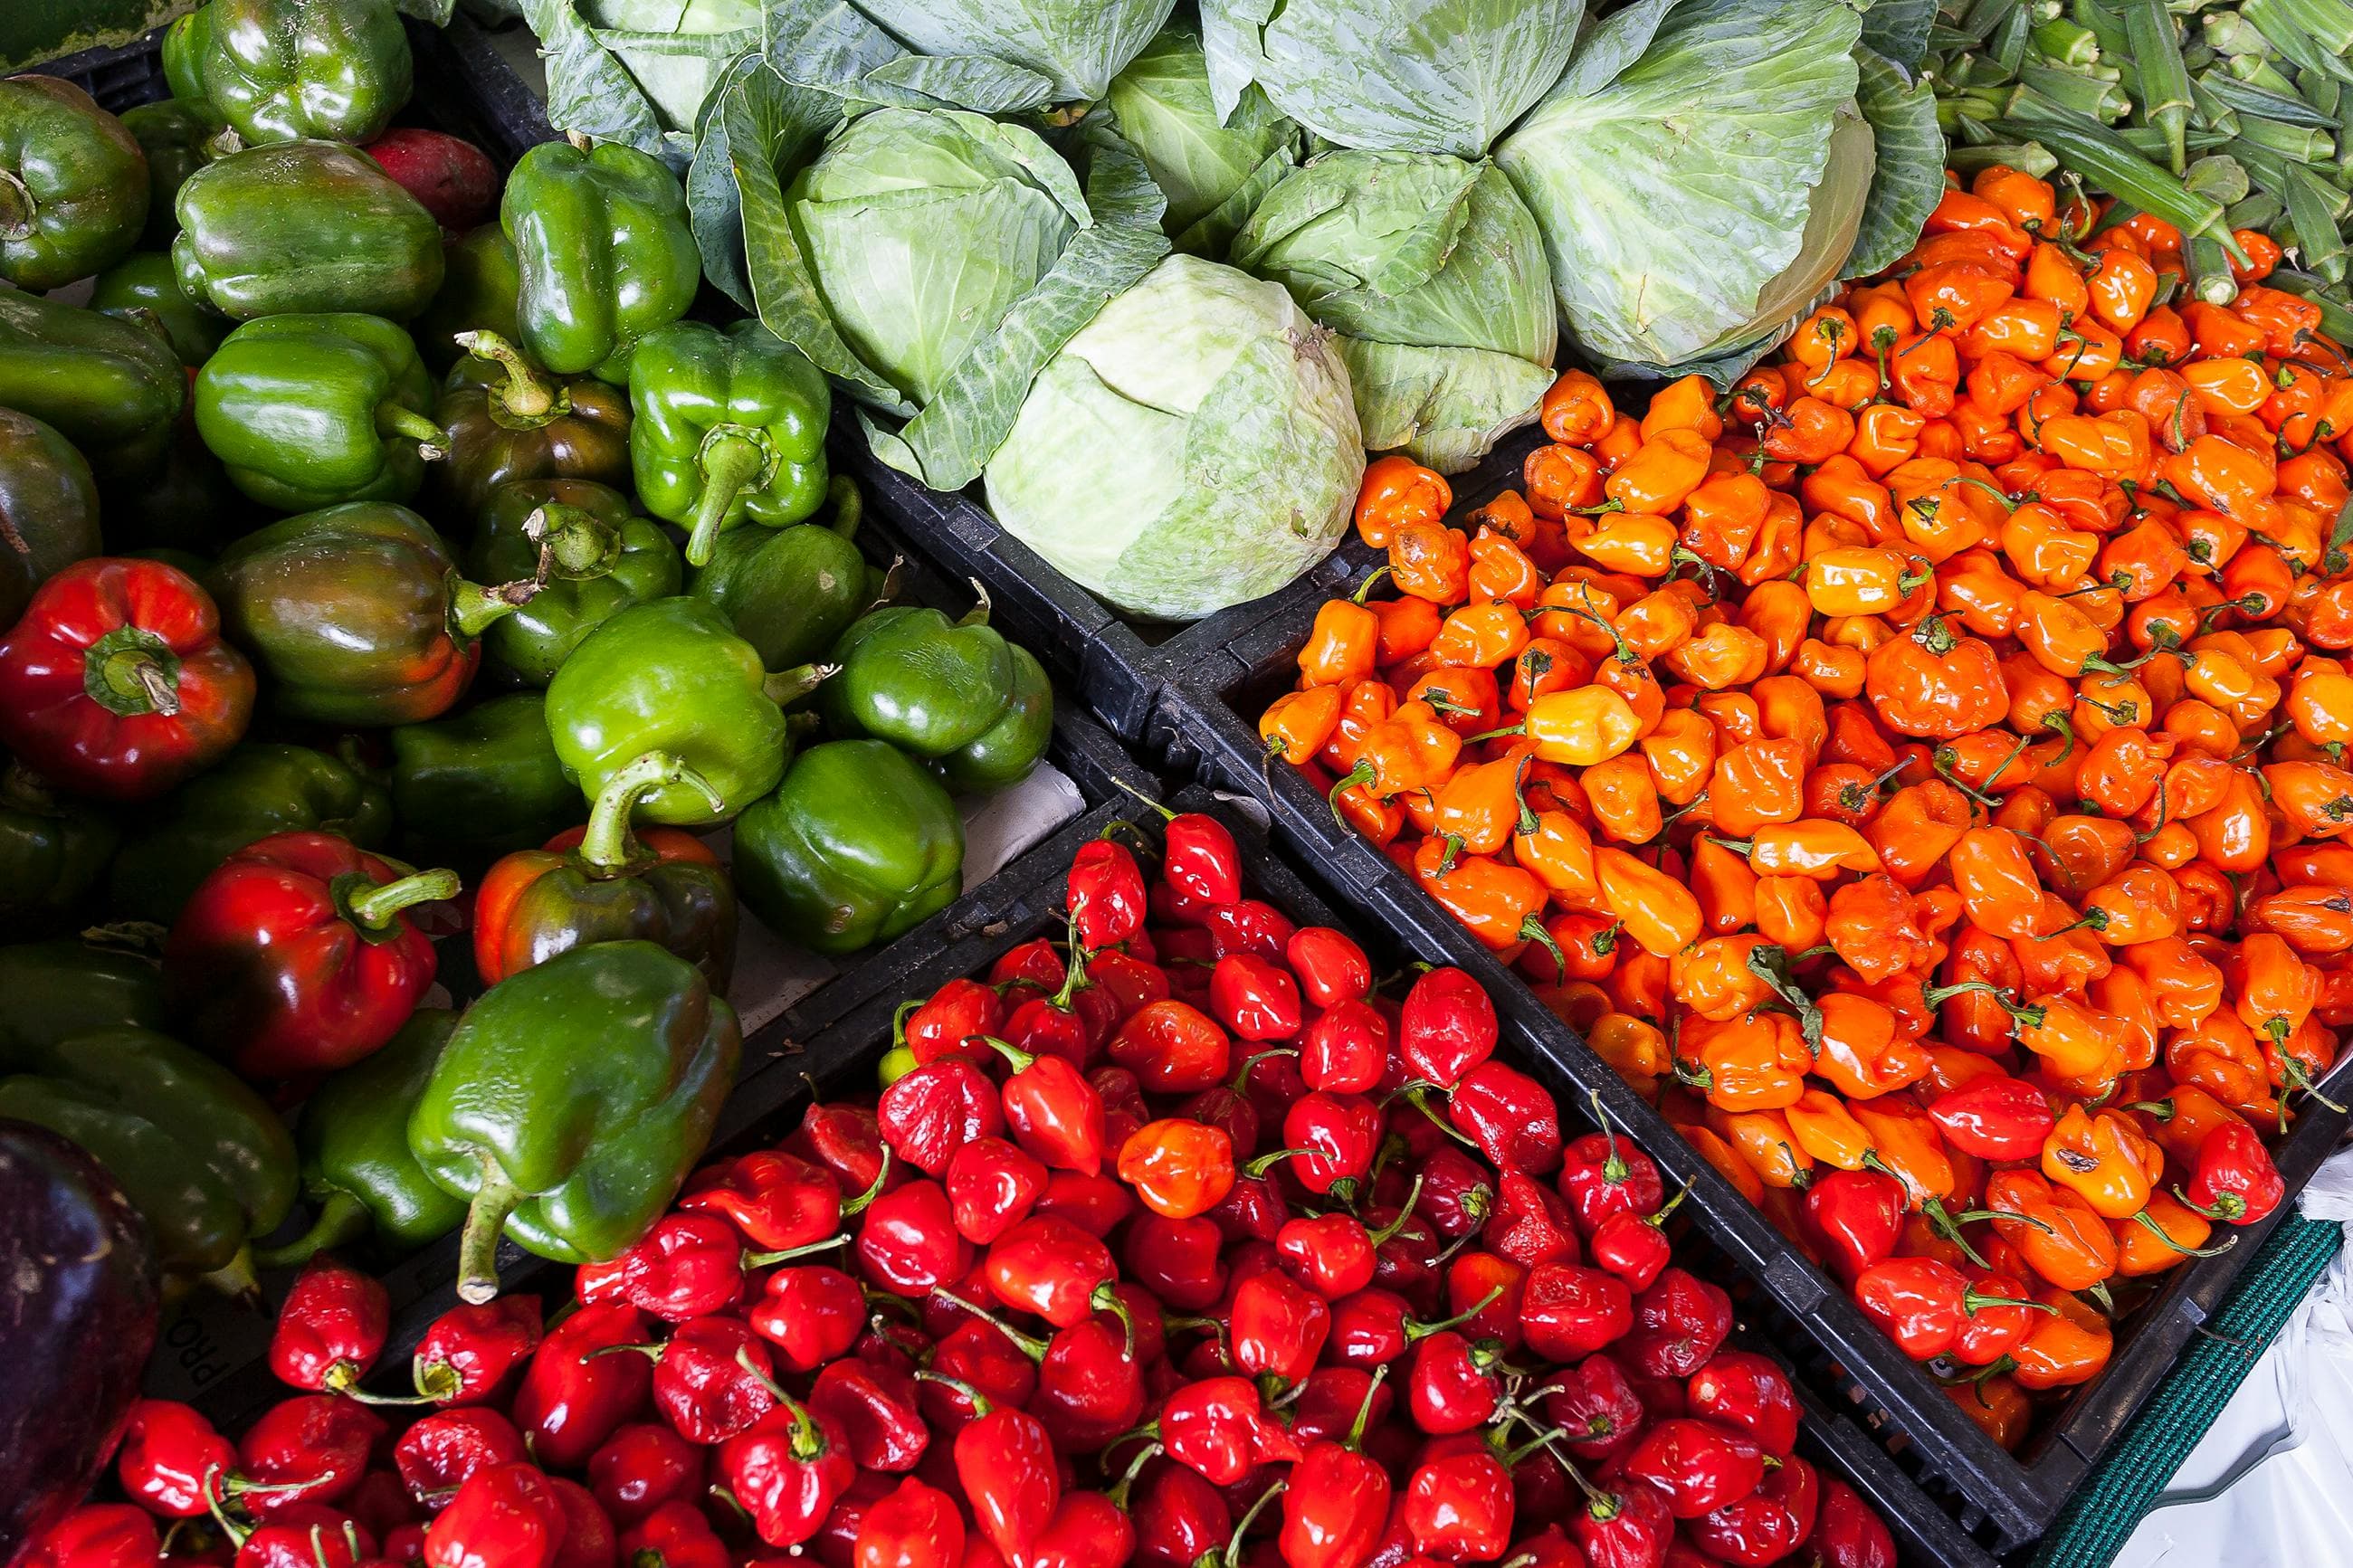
<point>281,69</point>
<point>572,1102</point>
<point>357,615</point>
<point>111,388</point>
<point>857,844</point>
<point>1007,751</point>
<point>201,1155</point>
<point>508,420</point>
<point>261,787</point>
<point>307,227</point>
<point>146,280</point>
<point>59,990</point>
<point>729,428</point>
<point>599,559</point>
<point>477,784</point>
<point>671,677</point>
<point>353,1141</point>
<point>308,411</point>
<point>790,592</point>
<point>179,136</point>
<point>919,680</point>
<point>53,855</point>
<point>49,509</point>
<point>604,250</point>
<point>73,183</point>
<point>480,280</point>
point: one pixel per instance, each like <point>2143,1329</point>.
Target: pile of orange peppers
<point>1925,761</point>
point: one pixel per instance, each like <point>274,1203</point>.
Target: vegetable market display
<point>1103,1274</point>
<point>1913,771</point>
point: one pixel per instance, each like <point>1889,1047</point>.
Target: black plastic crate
<point>1206,727</point>
<point>819,1048</point>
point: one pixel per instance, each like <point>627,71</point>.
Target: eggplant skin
<point>77,1314</point>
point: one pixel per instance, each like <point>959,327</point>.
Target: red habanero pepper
<point>1629,1527</point>
<point>507,1516</point>
<point>674,1535</point>
<point>295,956</point>
<point>1634,1247</point>
<point>1048,1265</point>
<point>1219,1427</point>
<point>787,1470</point>
<point>331,1329</point>
<point>1454,1385</point>
<point>1338,1499</point>
<point>711,1379</point>
<point>877,1406</point>
<point>1858,1215</point>
<point>951,1022</point>
<point>1922,1303</point>
<point>1446,1028</point>
<point>1766,1525</point>
<point>115,682</point>
<point>1276,1326</point>
<point>811,1315</point>
<point>311,1448</point>
<point>1679,1324</point>
<point>1594,1405</point>
<point>1255,997</point>
<point>1697,1466</point>
<point>1054,1113</point>
<point>1751,1394</point>
<point>688,1266</point>
<point>1600,1177</point>
<point>928,1114</point>
<point>916,1526</point>
<point>1331,1139</point>
<point>1510,1116</point>
<point>440,1454</point>
<point>643,1470</point>
<point>908,1242</point>
<point>1331,967</point>
<point>2234,1179</point>
<point>171,1461</point>
<point>572,1398</point>
<point>992,1185</point>
<point>1107,895</point>
<point>1994,1117</point>
<point>96,1535</point>
<point>1458,1507</point>
<point>1848,1533</point>
<point>1568,1310</point>
<point>1346,1049</point>
<point>1004,1461</point>
<point>471,1354</point>
<point>778,1201</point>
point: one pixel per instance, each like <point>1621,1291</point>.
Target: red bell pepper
<point>295,957</point>
<point>115,682</point>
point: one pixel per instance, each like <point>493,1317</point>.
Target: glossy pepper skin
<point>856,846</point>
<point>356,1168</point>
<point>281,69</point>
<point>605,253</point>
<point>115,682</point>
<point>146,280</point>
<point>729,428</point>
<point>296,955</point>
<point>73,183</point>
<point>198,1154</point>
<point>357,615</point>
<point>919,680</point>
<point>591,556</point>
<point>572,1100</point>
<point>48,503</point>
<point>111,388</point>
<point>509,420</point>
<point>63,988</point>
<point>304,226</point>
<point>790,592</point>
<point>311,410</point>
<point>479,284</point>
<point>483,781</point>
<point>179,136</point>
<point>668,676</point>
<point>604,883</point>
<point>261,787</point>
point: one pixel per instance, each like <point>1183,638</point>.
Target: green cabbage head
<point>1078,44</point>
<point>1212,169</point>
<point>1434,274</point>
<point>1192,446</point>
<point>921,229</point>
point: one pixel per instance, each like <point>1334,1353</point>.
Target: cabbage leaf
<point>1673,197</point>
<point>1908,173</point>
<point>1212,169</point>
<point>1078,44</point>
<point>1422,76</point>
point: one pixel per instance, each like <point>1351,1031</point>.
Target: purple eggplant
<point>77,1311</point>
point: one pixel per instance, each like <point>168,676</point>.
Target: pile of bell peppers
<point>1919,769</point>
<point>388,567</point>
<point>1188,1241</point>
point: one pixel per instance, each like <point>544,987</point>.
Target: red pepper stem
<point>2158,1231</point>
<point>1022,1060</point>
<point>808,1438</point>
<point>607,844</point>
<point>1233,1556</point>
<point>1971,1301</point>
<point>526,397</point>
<point>1166,815</point>
<point>873,1189</point>
<point>2229,1207</point>
<point>1673,1204</point>
<point>1415,1333</point>
<point>1255,1058</point>
<point>1932,1209</point>
<point>981,1404</point>
<point>478,1248</point>
<point>132,672</point>
<point>1415,1095</point>
<point>1541,1440</point>
<point>375,906</point>
<point>1613,1169</point>
<point>768,1260</point>
<point>1118,1490</point>
<point>1265,1163</point>
<point>1405,1213</point>
<point>343,1378</point>
<point>732,460</point>
<point>907,1009</point>
<point>1028,1344</point>
<point>1354,1441</point>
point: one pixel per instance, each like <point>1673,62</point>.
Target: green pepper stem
<point>432,441</point>
<point>486,1221</point>
<point>1027,1344</point>
<point>608,845</point>
<point>377,905</point>
<point>730,461</point>
<point>131,671</point>
<point>978,614</point>
<point>573,540</point>
<point>473,607</point>
<point>343,1220</point>
<point>785,687</point>
<point>526,395</point>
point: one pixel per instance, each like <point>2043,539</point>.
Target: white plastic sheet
<point>2271,1483</point>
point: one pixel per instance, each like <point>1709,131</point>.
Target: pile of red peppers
<point>1191,1242</point>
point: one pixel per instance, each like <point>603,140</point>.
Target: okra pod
<point>2247,99</point>
<point>2218,177</point>
<point>2315,218</point>
<point>2107,161</point>
<point>2067,43</point>
<point>2027,157</point>
<point>2300,144</point>
<point>2209,271</point>
<point>2164,90</point>
<point>2259,212</point>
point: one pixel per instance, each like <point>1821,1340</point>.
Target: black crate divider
<point>1205,727</point>
<point>823,1047</point>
